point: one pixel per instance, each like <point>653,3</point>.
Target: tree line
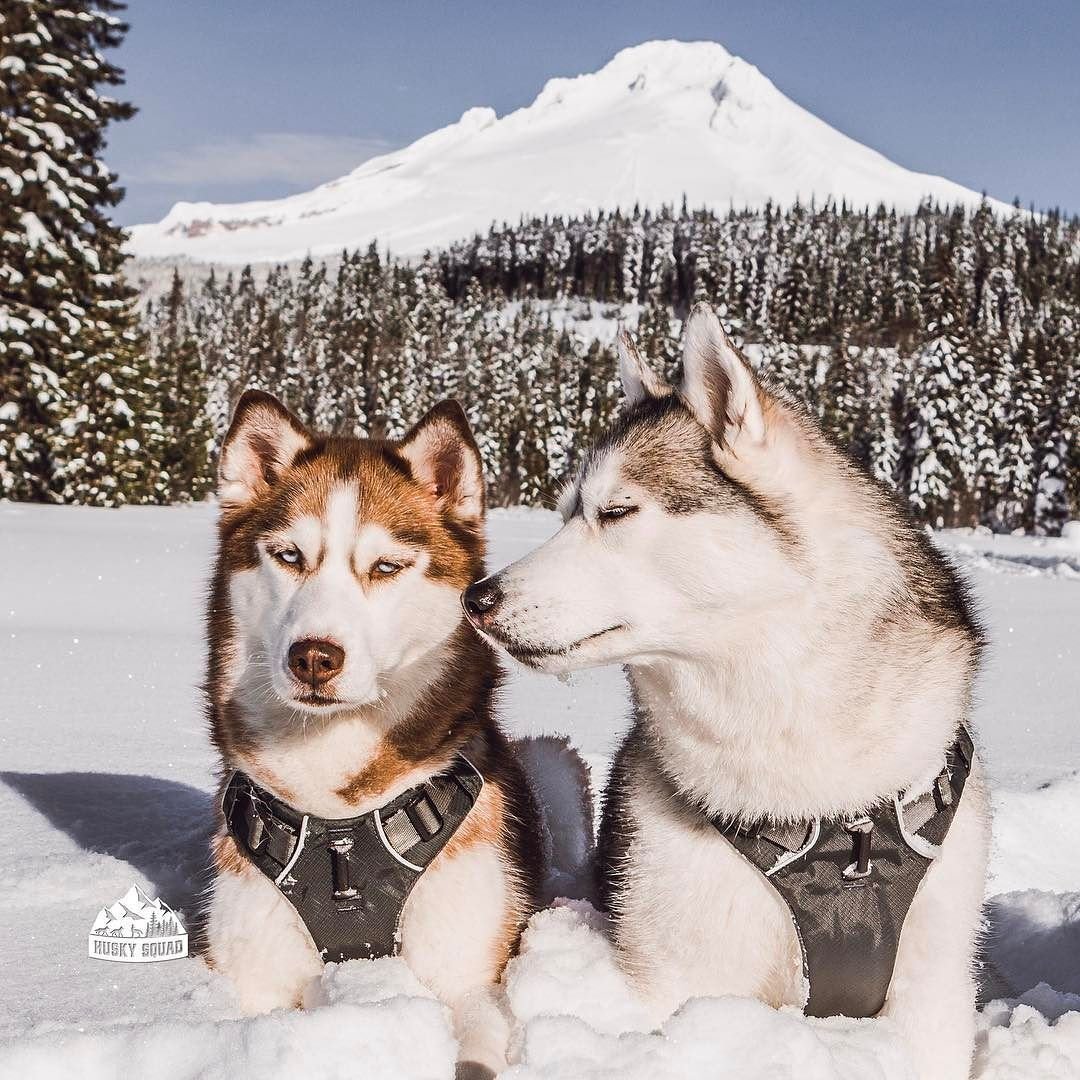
<point>940,347</point>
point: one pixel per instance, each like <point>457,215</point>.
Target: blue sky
<point>260,98</point>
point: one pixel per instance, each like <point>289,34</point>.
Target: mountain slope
<point>659,121</point>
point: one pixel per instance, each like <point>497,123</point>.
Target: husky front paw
<point>256,940</point>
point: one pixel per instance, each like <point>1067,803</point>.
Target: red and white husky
<point>356,550</point>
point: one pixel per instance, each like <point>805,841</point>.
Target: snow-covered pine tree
<point>533,406</point>
<point>213,324</point>
<point>845,400</point>
<point>632,256</point>
<point>909,319</point>
<point>659,258</point>
<point>1023,396</point>
<point>791,306</point>
<point>704,271</point>
<point>657,336</point>
<point>487,386</point>
<point>766,271</point>
<point>186,472</point>
<point>942,463</point>
<point>793,368</point>
<point>886,412</point>
<point>79,419</point>
<point>1051,509</point>
<point>305,365</point>
<point>1055,453</point>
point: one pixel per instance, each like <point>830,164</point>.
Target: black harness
<point>349,878</point>
<point>849,884</point>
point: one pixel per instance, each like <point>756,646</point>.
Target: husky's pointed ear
<point>639,381</point>
<point>719,386</point>
<point>262,442</point>
<point>443,456</point>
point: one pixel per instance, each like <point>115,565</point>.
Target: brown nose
<point>315,662</point>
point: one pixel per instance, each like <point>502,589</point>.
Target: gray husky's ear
<point>262,442</point>
<point>639,381</point>
<point>719,386</point>
<point>443,456</point>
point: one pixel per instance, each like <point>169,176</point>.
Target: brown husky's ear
<point>262,442</point>
<point>444,457</point>
<point>639,381</point>
<point>719,386</point>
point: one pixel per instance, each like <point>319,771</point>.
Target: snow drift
<point>660,121</point>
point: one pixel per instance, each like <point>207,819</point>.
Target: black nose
<point>315,662</point>
<point>481,598</point>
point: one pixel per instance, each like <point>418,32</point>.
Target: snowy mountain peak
<point>660,67</point>
<point>658,122</point>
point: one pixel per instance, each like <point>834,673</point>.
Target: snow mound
<point>579,1020</point>
<point>659,121</point>
<point>374,1019</point>
<point>576,1018</point>
<point>1035,1038</point>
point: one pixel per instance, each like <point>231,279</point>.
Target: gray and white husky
<point>796,650</point>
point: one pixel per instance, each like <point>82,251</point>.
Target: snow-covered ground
<point>105,781</point>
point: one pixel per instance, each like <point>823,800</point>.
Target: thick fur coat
<point>341,672</point>
<point>796,649</point>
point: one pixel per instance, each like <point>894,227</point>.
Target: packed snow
<point>106,784</point>
<point>660,121</point>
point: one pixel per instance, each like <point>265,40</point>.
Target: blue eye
<point>289,556</point>
<point>387,568</point>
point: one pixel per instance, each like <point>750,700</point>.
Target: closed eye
<point>614,513</point>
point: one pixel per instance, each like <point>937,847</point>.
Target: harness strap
<point>349,878</point>
<point>849,883</point>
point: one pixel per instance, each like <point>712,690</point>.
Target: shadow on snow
<point>161,828</point>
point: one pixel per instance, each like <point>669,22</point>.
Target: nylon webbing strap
<point>421,820</point>
<point>349,878</point>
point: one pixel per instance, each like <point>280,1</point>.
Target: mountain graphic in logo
<point>137,930</point>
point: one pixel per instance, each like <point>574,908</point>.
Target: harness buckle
<point>861,830</point>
